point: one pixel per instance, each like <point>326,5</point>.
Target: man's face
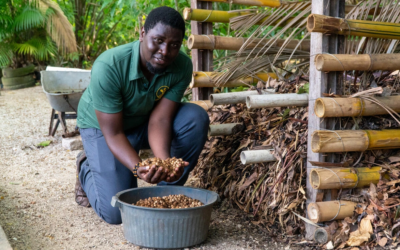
<point>159,47</point>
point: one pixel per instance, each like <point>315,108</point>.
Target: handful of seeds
<point>169,164</point>
<point>170,201</point>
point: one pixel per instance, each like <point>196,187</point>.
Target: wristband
<point>135,169</point>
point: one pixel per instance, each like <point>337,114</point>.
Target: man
<point>133,102</point>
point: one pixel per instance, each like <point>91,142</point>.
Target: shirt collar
<point>135,71</point>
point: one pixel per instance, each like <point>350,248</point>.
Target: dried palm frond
<point>58,26</point>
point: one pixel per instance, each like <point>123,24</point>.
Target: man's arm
<point>160,127</point>
<point>112,128</point>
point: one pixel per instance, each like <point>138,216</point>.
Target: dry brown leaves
<point>270,190</point>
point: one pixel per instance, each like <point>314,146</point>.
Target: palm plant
<point>33,31</point>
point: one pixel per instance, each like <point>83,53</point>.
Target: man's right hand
<point>152,175</point>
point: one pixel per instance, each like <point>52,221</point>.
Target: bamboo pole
<point>325,141</point>
<point>278,100</point>
<point>204,79</point>
<point>330,210</point>
<point>219,16</point>
<point>206,104</point>
<point>224,129</point>
<point>212,42</point>
<point>344,107</point>
<point>235,97</point>
<point>256,156</point>
<point>340,26</point>
<point>343,62</point>
<point>267,3</point>
<point>337,178</point>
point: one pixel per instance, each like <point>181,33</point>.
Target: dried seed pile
<point>170,164</point>
<point>170,201</point>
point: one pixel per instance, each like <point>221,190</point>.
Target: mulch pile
<point>170,201</point>
<point>275,193</point>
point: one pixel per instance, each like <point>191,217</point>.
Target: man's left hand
<point>178,173</point>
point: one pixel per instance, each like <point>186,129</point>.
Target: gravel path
<point>37,207</point>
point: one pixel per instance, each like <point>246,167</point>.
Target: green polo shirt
<point>117,84</point>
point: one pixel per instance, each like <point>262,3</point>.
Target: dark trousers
<point>102,175</point>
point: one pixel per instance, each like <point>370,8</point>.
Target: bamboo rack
<point>206,104</point>
<point>340,26</point>
<point>204,79</point>
<point>235,97</point>
<point>322,236</point>
<point>343,62</point>
<point>344,107</point>
<point>256,156</point>
<point>337,178</point>
<point>224,129</point>
<point>278,100</point>
<point>330,210</point>
<point>325,141</point>
<point>212,42</point>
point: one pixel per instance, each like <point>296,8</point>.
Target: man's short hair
<point>167,16</point>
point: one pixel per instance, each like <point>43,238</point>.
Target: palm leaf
<point>6,54</point>
<point>41,48</point>
<point>29,18</point>
<point>58,26</point>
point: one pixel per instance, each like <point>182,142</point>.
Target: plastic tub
<point>164,228</point>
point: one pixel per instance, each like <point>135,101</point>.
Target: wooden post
<point>202,59</point>
<point>321,82</point>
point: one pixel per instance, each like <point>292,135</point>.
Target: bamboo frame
<point>278,100</point>
<point>322,236</point>
<point>224,129</point>
<point>325,141</point>
<point>343,62</point>
<point>337,178</point>
<point>341,26</point>
<point>330,210</point>
<point>345,107</point>
<point>206,104</point>
<point>267,3</point>
<point>212,42</point>
<point>204,79</point>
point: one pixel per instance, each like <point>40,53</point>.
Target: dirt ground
<point>37,206</point>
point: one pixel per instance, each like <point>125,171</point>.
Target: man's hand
<point>155,174</point>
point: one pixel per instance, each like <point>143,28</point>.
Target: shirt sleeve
<point>176,92</point>
<point>105,87</point>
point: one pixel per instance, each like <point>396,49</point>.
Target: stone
<point>72,143</point>
<point>4,244</point>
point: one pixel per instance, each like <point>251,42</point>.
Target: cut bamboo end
<point>326,141</point>
<point>278,100</point>
<point>338,178</point>
<point>187,13</point>
<point>330,210</point>
<point>206,104</point>
<point>257,156</point>
<point>322,236</point>
<point>345,107</point>
<point>224,129</point>
<point>235,97</point>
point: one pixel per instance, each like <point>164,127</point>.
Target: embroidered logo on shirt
<point>161,91</point>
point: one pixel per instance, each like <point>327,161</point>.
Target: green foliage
<point>304,89</point>
<point>239,89</point>
<point>44,144</point>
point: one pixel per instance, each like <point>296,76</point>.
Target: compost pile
<point>170,164</point>
<point>170,201</point>
<point>273,192</point>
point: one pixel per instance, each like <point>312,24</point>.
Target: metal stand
<point>61,118</point>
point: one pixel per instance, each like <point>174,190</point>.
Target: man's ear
<point>142,34</point>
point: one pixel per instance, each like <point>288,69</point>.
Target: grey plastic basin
<point>164,228</point>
